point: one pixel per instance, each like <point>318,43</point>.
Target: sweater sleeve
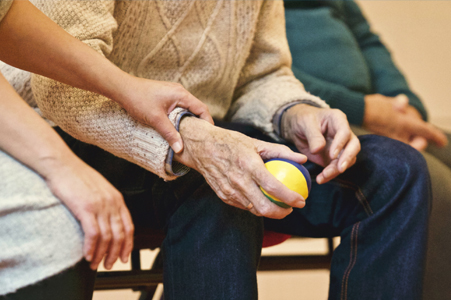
<point>90,117</point>
<point>266,81</point>
<point>386,77</point>
<point>4,8</point>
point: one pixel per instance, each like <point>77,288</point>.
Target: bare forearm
<point>31,41</point>
<point>26,136</point>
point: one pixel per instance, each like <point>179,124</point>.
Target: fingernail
<point>344,166</point>
<point>89,257</point>
<point>177,147</point>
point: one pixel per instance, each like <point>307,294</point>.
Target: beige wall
<point>419,35</point>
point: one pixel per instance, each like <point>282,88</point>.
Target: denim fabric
<point>379,208</point>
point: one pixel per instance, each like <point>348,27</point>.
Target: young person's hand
<point>151,101</point>
<point>100,208</point>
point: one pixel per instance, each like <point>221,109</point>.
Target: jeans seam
<point>359,195</point>
<point>352,261</point>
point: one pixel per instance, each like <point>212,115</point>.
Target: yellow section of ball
<point>289,175</point>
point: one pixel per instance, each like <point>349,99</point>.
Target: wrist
<point>119,87</point>
<point>51,164</point>
<point>289,118</point>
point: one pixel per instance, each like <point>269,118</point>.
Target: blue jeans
<point>379,208</point>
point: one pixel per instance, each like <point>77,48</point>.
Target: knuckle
<point>93,205</point>
<point>271,187</point>
<point>264,210</point>
<point>120,237</point>
<point>107,236</point>
<point>339,113</point>
<point>230,194</point>
<point>130,231</point>
<point>92,234</point>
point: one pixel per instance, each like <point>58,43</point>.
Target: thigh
<point>437,283</point>
<point>39,237</point>
<point>75,283</point>
<point>442,154</point>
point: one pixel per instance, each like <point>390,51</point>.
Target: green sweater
<point>339,59</point>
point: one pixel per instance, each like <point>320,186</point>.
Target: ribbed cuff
<point>277,119</point>
<point>172,167</point>
<point>152,152</point>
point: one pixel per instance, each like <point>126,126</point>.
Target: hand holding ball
<point>292,175</point>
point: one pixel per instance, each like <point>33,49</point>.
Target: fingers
<point>277,189</point>
<point>197,107</point>
<point>349,153</point>
<point>341,139</point>
<point>167,130</point>
<point>427,131</point>
<point>418,143</point>
<point>315,138</point>
<point>129,230</point>
<point>400,103</point>
<point>103,242</point>
<point>269,150</point>
<point>116,242</point>
<point>329,172</point>
<point>108,235</point>
<point>92,231</point>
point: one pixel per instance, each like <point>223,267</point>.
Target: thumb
<point>167,130</point>
<point>419,143</point>
<point>401,103</point>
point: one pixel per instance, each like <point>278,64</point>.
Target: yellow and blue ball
<point>291,174</point>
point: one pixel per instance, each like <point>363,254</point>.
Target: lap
<point>38,236</point>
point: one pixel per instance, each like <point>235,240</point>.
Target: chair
<point>146,281</point>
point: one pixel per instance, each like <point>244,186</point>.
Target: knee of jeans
<point>397,169</point>
<point>393,157</point>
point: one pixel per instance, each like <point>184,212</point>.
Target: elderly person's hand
<point>395,118</point>
<point>232,164</point>
<point>324,136</point>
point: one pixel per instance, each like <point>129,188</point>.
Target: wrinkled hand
<point>99,207</point>
<point>395,118</point>
<point>232,164</point>
<point>150,102</point>
<point>324,136</point>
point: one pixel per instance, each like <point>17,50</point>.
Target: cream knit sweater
<point>232,55</point>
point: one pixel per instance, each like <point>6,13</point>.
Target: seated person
<point>338,57</point>
<point>41,239</point>
<point>233,55</point>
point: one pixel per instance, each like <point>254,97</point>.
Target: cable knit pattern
<point>232,55</point>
